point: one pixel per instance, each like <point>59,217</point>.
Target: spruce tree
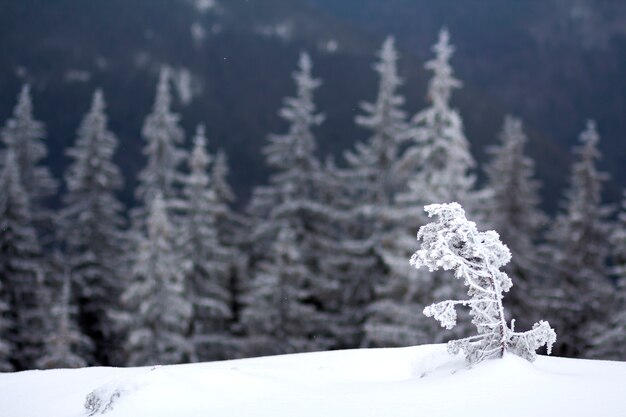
<point>158,315</point>
<point>576,253</point>
<point>438,150</point>
<point>290,200</point>
<point>513,209</point>
<point>373,178</point>
<point>292,154</point>
<point>434,166</point>
<point>373,164</point>
<point>22,270</point>
<point>91,222</point>
<point>24,135</point>
<point>206,260</point>
<point>163,137</point>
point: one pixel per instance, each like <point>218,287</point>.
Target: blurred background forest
<point>553,63</point>
<point>191,180</point>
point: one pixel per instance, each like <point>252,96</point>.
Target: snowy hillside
<point>415,381</point>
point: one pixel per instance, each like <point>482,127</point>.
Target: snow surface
<point>414,381</point>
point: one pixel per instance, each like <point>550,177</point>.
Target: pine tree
<point>206,259</point>
<point>22,270</point>
<point>293,154</point>
<point>291,200</point>
<point>451,242</point>
<point>439,151</point>
<point>91,223</point>
<point>65,346</point>
<point>513,209</point>
<point>24,136</point>
<point>373,178</point>
<point>434,167</point>
<point>373,163</point>
<point>163,136</point>
<point>576,253</point>
<point>277,317</point>
<point>158,314</point>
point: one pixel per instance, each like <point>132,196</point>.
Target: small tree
<point>453,243</point>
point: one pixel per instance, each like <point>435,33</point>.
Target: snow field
<point>414,381</point>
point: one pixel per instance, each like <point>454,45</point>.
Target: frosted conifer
<point>293,153</point>
<point>373,178</point>
<point>163,136</point>
<point>22,270</point>
<point>24,135</point>
<point>513,209</point>
<point>91,223</point>
<point>158,315</point>
<point>433,167</point>
<point>451,242</point>
<point>206,260</point>
<point>373,163</point>
<point>576,253</point>
<point>290,196</point>
<point>439,151</point>
<point>293,199</point>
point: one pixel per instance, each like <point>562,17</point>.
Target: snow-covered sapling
<point>453,243</point>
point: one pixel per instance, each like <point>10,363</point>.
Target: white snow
<point>414,381</point>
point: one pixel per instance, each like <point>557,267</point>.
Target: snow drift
<point>414,381</point>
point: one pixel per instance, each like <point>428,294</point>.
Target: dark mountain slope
<point>553,62</point>
<point>239,58</point>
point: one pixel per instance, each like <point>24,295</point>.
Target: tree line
<point>319,259</point>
